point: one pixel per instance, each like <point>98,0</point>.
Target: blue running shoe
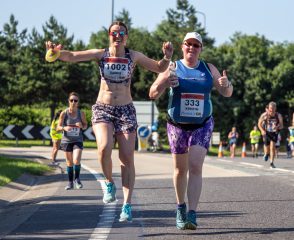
<point>265,157</point>
<point>109,192</point>
<point>126,213</point>
<point>191,220</point>
<point>181,217</point>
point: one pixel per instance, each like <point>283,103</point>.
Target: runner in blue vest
<point>190,122</point>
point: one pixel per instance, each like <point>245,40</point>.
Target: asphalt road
<point>242,198</point>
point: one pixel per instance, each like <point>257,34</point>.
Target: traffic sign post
<point>144,133</point>
<point>36,132</point>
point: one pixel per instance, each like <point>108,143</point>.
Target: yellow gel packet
<point>52,56</point>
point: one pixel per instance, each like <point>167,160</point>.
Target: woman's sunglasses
<point>192,45</point>
<point>73,100</point>
<point>114,33</point>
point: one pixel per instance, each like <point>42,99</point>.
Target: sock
<point>70,173</point>
<point>77,169</point>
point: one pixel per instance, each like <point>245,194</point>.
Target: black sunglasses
<point>114,33</point>
<point>73,100</point>
<point>192,45</point>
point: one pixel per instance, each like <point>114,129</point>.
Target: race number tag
<point>272,126</point>
<point>192,104</point>
<point>73,132</point>
<point>116,69</point>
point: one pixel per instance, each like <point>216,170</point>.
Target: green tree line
<point>260,69</point>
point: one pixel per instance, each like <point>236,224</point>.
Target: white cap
<point>193,35</point>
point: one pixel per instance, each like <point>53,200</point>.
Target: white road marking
<point>223,160</point>
<point>251,164</point>
<point>106,219</point>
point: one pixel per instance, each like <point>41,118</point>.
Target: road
<point>242,198</point>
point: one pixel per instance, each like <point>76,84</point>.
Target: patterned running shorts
<point>180,140</point>
<point>123,118</point>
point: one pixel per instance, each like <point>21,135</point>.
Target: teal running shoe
<point>126,213</point>
<point>181,217</point>
<point>191,220</point>
<point>109,192</point>
<point>265,157</point>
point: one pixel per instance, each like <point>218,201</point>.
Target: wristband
<point>52,56</point>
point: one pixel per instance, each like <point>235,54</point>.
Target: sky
<point>222,18</point>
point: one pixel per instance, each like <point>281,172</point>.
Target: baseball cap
<point>193,35</point>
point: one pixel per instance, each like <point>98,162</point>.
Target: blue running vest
<point>190,102</point>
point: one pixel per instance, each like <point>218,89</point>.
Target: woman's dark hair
<point>57,114</point>
<point>73,94</point>
<point>119,23</point>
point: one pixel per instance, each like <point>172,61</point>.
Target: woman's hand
<point>167,49</point>
<point>53,51</point>
<point>79,124</point>
<point>223,80</point>
<point>51,45</point>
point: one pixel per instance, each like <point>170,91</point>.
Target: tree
<point>11,51</point>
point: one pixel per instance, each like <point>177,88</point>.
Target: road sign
<point>36,132</point>
<point>89,134</point>
<point>147,112</point>
<point>144,131</point>
<point>143,134</point>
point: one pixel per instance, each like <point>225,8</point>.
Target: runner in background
<point>291,136</point>
<point>233,137</point>
<point>270,123</point>
<point>254,140</point>
<point>55,136</point>
<point>72,121</point>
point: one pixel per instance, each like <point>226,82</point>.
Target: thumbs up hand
<point>223,80</point>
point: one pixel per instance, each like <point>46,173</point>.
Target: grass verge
<point>12,168</point>
<point>30,143</point>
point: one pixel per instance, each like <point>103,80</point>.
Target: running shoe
<point>265,157</point>
<point>109,193</point>
<point>272,165</point>
<point>191,220</point>
<point>181,217</point>
<point>126,213</point>
<point>54,163</point>
<point>78,183</point>
<point>69,186</point>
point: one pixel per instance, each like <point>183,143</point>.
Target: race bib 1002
<point>116,69</point>
<point>192,105</point>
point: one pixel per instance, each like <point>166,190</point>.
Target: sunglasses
<point>192,45</point>
<point>114,33</point>
<point>73,100</point>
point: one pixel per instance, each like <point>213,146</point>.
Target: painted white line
<point>251,164</point>
<point>283,170</point>
<point>223,160</point>
<point>106,219</point>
